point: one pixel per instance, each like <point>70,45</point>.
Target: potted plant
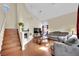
<point>21,25</point>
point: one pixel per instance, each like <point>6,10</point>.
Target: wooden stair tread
<point>11,51</point>
<point>10,46</point>
<point>14,53</point>
<point>12,35</point>
<point>10,38</point>
<point>11,30</point>
<point>9,41</point>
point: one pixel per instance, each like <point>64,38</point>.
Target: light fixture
<point>72,31</point>
<point>6,8</point>
<point>40,11</point>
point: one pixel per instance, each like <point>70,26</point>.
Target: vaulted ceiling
<point>46,11</point>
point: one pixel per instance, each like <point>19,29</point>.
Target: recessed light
<point>53,3</point>
<point>40,11</point>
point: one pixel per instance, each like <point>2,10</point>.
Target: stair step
<point>9,41</point>
<point>11,30</point>
<point>11,51</point>
<point>13,35</point>
<point>10,38</point>
<point>6,34</point>
<point>19,53</point>
<point>10,46</point>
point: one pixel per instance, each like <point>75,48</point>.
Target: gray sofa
<point>61,49</point>
<point>65,45</point>
<point>68,48</point>
<point>57,35</point>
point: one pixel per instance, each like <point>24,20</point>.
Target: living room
<point>43,29</point>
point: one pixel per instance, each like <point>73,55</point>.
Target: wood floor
<point>12,47</point>
<point>35,49</point>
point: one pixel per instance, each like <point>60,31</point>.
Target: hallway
<point>11,43</point>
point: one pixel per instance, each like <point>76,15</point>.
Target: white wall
<point>29,21</point>
<point>11,17</point>
<point>63,23</point>
<point>1,16</point>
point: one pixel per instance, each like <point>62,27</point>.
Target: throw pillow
<point>71,40</point>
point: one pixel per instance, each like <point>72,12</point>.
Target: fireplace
<point>37,32</point>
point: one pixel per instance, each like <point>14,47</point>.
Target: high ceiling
<point>45,11</point>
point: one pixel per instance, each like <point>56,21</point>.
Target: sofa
<point>61,49</point>
<point>69,48</point>
<point>57,35</point>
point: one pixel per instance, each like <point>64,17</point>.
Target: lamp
<point>72,31</point>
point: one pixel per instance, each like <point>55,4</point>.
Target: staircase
<point>11,43</point>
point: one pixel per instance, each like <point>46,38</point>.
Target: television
<point>37,30</point>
